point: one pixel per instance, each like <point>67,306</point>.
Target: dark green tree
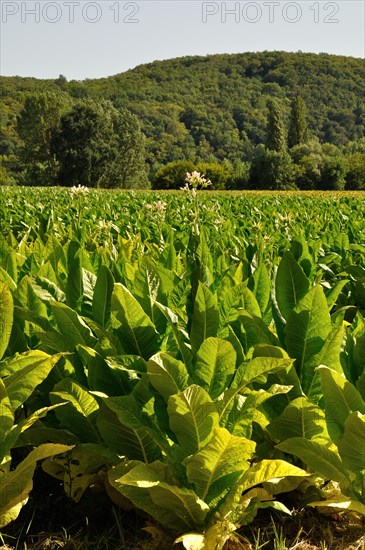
<point>321,166</point>
<point>354,152</point>
<point>298,128</point>
<point>308,160</point>
<point>272,170</point>
<point>333,173</point>
<point>99,146</point>
<point>275,139</point>
<point>36,123</point>
<point>127,168</point>
<point>355,177</point>
<point>82,145</point>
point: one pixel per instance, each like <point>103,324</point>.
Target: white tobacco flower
<point>160,206</point>
<point>79,190</point>
<point>196,180</point>
<point>157,206</point>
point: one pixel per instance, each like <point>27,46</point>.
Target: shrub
<point>355,177</point>
<point>272,170</point>
<point>172,175</point>
<point>218,174</point>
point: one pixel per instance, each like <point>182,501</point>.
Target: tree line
<point>79,143</point>
<point>150,125</point>
<point>290,159</point>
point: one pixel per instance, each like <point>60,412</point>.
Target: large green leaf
<point>135,328</point>
<point>265,470</point>
<point>291,284</point>
<point>318,458</point>
<point>193,418</point>
<point>129,430</point>
<point>28,297</point>
<point>249,303</point>
<point>352,445</point>
<point>102,295</point>
<point>48,288</point>
<point>258,369</point>
<point>8,259</point>
<point>24,373</point>
<point>152,284</point>
<point>307,328</point>
<point>85,465</point>
<point>17,484</point>
<point>205,320</point>
<point>7,413</point>
<point>79,415</point>
<point>329,355</point>
<point>229,300</point>
<point>334,293</point>
<point>215,366</point>
<point>218,465</point>
<point>72,327</point>
<point>13,433</point>
<point>99,373</point>
<point>181,336</point>
<point>88,286</point>
<point>6,317</point>
<point>301,418</point>
<point>238,412</point>
<point>25,314</point>
<point>342,505</point>
<point>341,399</point>
<point>167,374</point>
<point>256,332</point>
<point>173,506</point>
<point>300,250</point>
<point>5,278</point>
<point>262,289</point>
<point>74,284</point>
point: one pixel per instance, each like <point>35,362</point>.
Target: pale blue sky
<point>95,38</point>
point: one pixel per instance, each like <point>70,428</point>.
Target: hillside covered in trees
<point>214,110</point>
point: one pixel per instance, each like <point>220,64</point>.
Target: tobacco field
<point>196,356</point>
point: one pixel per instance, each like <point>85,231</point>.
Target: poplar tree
<point>298,129</point>
<point>275,140</point>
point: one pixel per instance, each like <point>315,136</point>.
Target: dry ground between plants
<point>50,521</point>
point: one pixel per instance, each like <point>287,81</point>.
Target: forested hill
<point>217,105</point>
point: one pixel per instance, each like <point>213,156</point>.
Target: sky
<point>98,38</point>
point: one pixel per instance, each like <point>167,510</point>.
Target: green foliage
<point>19,378</point>
<point>355,177</point>
<point>308,159</point>
<point>74,143</point>
<point>334,172</point>
<point>218,174</point>
<point>36,124</point>
<point>345,461</point>
<point>275,133</point>
<point>272,169</point>
<point>187,346</point>
<point>127,151</point>
<point>99,146</point>
<point>298,130</point>
<point>321,167</point>
<point>172,175</point>
<point>6,317</point>
<point>219,113</point>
